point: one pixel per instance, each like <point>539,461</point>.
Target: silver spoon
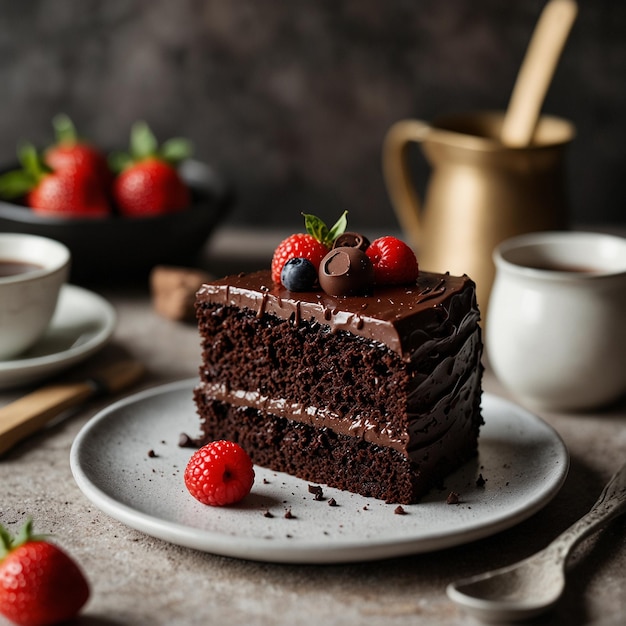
<point>528,588</point>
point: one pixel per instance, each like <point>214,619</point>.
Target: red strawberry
<point>394,262</point>
<point>39,583</point>
<point>149,183</point>
<point>219,473</point>
<point>312,245</point>
<point>151,187</point>
<point>71,153</point>
<point>301,245</point>
<point>69,193</point>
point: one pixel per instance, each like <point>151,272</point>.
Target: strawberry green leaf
<point>30,161</point>
<point>119,161</point>
<point>5,542</point>
<point>176,150</point>
<point>64,129</point>
<point>143,143</point>
<point>8,543</point>
<point>25,534</point>
<point>15,184</point>
<point>19,182</point>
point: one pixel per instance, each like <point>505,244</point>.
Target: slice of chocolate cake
<point>377,394</point>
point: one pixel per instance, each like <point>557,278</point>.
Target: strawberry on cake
<point>345,364</point>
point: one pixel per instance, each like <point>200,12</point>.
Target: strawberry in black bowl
<point>122,215</point>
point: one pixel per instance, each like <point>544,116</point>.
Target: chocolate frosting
<point>386,316</point>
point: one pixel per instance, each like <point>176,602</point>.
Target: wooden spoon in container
<point>536,72</point>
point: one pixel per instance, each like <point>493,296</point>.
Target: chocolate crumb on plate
<point>316,490</point>
<point>152,454</point>
<point>289,514</point>
<point>480,481</point>
<point>453,498</point>
<point>185,441</point>
<point>268,514</point>
<point>332,502</point>
<point>399,510</point>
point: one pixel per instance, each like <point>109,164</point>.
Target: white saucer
<point>82,323</point>
<point>522,459</point>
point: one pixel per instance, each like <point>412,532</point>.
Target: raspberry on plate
<point>219,473</point>
<point>394,262</point>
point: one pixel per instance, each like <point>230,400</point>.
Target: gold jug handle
<point>404,198</point>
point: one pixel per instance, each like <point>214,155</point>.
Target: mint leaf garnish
<point>318,229</point>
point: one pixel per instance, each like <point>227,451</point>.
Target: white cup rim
<point>60,251</point>
<point>508,253</point>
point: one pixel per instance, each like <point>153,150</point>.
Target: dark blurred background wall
<point>291,99</point>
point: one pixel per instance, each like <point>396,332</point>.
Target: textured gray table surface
<point>137,579</point>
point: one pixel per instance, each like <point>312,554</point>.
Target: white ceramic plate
<point>522,459</point>
<point>82,323</point>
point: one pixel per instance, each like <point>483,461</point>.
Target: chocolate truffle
<point>346,271</point>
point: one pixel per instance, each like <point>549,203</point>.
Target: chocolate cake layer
<point>394,375</point>
<point>343,462</point>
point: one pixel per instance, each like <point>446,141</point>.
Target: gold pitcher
<point>480,192</point>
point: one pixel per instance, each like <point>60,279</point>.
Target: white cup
<point>556,320</point>
<point>28,298</point>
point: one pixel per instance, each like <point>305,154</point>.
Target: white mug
<point>32,271</point>
<point>556,321</point>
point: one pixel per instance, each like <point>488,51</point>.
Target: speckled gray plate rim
<point>127,461</point>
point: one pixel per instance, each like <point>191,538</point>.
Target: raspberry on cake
<point>366,387</point>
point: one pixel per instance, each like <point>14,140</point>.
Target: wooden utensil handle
<point>536,72</point>
<point>28,414</point>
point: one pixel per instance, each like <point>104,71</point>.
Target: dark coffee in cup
<point>9,267</point>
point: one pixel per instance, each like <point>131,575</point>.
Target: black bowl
<point>121,248</point>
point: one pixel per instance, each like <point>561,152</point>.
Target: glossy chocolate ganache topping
<point>387,315</point>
